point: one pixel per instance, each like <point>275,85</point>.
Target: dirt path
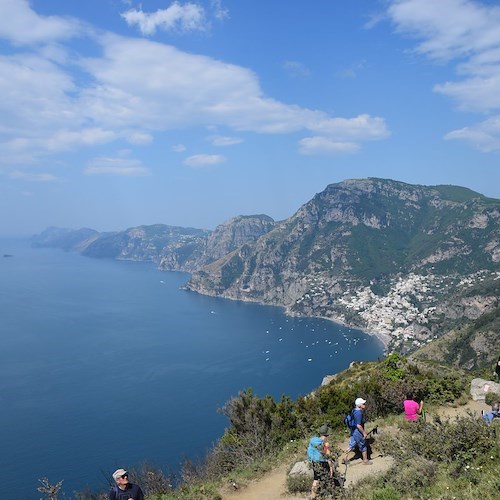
<point>272,486</point>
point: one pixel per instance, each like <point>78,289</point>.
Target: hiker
<point>412,408</point>
<point>123,489</point>
<point>497,369</point>
<point>488,417</point>
<point>319,455</point>
<point>358,433</point>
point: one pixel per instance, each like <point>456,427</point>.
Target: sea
<point>107,364</point>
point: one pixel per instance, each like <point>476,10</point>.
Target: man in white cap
<point>358,435</point>
<point>123,489</point>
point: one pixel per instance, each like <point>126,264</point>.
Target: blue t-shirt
<point>359,419</point>
<point>488,417</point>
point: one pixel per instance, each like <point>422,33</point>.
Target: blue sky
<point>116,113</point>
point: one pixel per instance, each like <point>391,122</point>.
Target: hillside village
<point>404,316</point>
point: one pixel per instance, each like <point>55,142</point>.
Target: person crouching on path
<point>319,455</point>
<point>412,408</point>
<point>123,489</point>
<point>494,413</point>
<point>359,435</point>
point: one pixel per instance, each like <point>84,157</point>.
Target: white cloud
<point>485,135</point>
<point>204,160</point>
<point>219,140</point>
<point>33,177</point>
<point>325,145</point>
<point>220,12</point>
<point>474,94</point>
<point>116,166</point>
<point>351,71</point>
<point>69,139</point>
<point>466,33</point>
<point>178,148</point>
<point>21,25</point>
<point>178,17</point>
<point>296,69</point>
<point>191,90</point>
<point>138,137</point>
<point>133,89</point>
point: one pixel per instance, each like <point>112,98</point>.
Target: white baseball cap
<point>360,401</point>
<point>119,473</point>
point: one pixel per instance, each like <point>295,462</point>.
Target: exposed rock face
<point>480,387</point>
<point>226,238</point>
<point>375,253</point>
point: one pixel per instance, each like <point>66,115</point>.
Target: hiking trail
<point>272,486</point>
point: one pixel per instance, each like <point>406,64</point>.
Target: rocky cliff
<point>390,257</point>
<point>225,238</point>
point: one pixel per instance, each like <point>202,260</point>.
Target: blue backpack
<point>350,422</point>
<point>314,450</point>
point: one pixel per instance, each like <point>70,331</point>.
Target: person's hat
<point>119,473</point>
<point>324,430</point>
<point>360,401</point>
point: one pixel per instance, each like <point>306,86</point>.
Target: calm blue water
<point>106,364</point>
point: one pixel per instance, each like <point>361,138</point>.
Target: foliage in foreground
<point>439,460</point>
<point>261,428</point>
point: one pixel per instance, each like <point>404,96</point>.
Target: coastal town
<point>403,318</point>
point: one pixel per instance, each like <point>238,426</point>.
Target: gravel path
<point>272,486</point>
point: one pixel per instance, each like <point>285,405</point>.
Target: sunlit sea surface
<point>107,364</point>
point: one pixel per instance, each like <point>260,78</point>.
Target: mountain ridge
<point>395,259</point>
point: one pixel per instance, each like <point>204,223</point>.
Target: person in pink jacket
<point>412,408</point>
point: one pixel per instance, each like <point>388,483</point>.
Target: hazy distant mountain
<point>173,248</point>
<point>406,261</point>
<point>66,239</point>
<point>142,243</point>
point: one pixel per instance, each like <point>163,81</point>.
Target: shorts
<point>321,470</point>
<point>357,441</point>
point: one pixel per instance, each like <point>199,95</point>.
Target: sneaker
<point>368,462</point>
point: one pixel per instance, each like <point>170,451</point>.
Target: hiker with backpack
<point>319,456</point>
<point>356,422</point>
<point>488,417</point>
<point>123,490</point>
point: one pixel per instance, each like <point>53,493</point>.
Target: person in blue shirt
<point>358,435</point>
<point>319,455</point>
<point>488,417</point>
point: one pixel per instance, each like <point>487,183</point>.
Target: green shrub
<point>492,397</point>
<point>299,483</point>
<point>413,474</point>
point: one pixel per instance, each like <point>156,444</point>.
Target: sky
<point>118,113</point>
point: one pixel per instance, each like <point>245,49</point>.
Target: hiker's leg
<point>314,488</point>
<point>350,447</point>
<point>317,477</point>
<point>364,452</point>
